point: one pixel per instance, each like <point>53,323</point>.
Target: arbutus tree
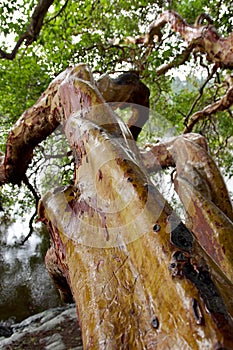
<point>140,277</point>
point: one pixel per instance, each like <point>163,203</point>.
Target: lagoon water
<point>25,286</point>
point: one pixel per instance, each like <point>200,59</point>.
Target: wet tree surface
<point>140,277</point>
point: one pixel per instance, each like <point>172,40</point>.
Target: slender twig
<point>31,189</point>
<point>57,14</point>
<point>210,76</point>
<point>37,198</point>
<point>223,104</point>
<point>181,59</point>
<point>31,228</point>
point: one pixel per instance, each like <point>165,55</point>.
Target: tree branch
<point>31,228</point>
<point>58,13</point>
<point>35,124</point>
<point>129,91</point>
<point>40,120</point>
<point>31,189</point>
<point>37,198</point>
<point>200,93</point>
<point>181,59</point>
<point>204,38</point>
<point>32,30</point>
<point>221,105</point>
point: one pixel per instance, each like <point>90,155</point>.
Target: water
<point>25,286</point>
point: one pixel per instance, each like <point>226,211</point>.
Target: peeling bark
<point>139,277</point>
<point>204,38</point>
<point>203,192</point>
<point>35,124</point>
<point>40,120</point>
<point>154,292</point>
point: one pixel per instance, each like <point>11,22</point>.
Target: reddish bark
<point>139,277</point>
<point>204,38</point>
<point>39,121</point>
<point>224,103</point>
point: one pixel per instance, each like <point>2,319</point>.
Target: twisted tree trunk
<point>138,275</point>
<point>140,278</point>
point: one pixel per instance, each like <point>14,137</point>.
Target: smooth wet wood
<point>139,277</point>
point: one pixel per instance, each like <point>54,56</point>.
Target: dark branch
<point>33,29</point>
<point>59,12</point>
<point>31,228</point>
<point>221,105</point>
<point>37,198</point>
<point>31,189</point>
<point>210,76</point>
<point>181,59</point>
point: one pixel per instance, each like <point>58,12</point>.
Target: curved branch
<point>221,105</point>
<point>181,59</point>
<point>11,56</point>
<point>37,198</point>
<point>35,124</point>
<point>31,228</point>
<point>59,12</point>
<point>32,30</point>
<point>31,189</point>
<point>204,38</point>
<point>40,120</point>
<point>201,89</point>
